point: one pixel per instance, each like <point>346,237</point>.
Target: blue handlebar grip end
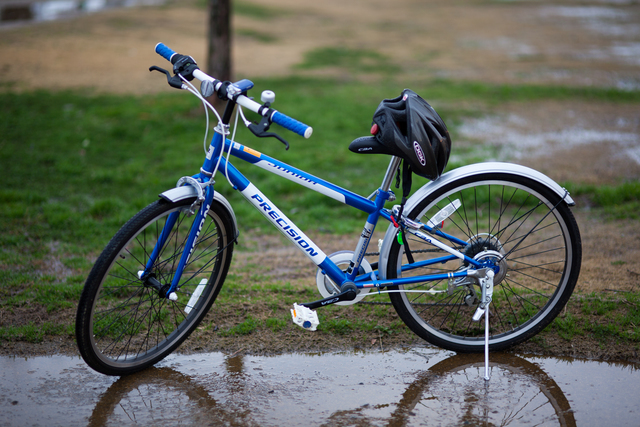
<point>292,124</point>
<point>164,51</point>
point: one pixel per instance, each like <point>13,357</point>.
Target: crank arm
<point>348,295</point>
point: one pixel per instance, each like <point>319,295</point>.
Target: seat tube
<point>382,196</point>
<point>363,244</point>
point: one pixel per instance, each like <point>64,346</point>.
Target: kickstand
<point>486,344</point>
<point>483,309</point>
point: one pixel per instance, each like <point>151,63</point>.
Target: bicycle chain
<point>419,251</point>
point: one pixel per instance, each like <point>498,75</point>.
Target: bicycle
<point>492,239</point>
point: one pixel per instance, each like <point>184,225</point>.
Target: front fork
<point>147,275</point>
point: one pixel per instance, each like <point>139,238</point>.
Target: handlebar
<point>232,92</point>
<point>164,51</point>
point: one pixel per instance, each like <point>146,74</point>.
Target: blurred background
<point>106,46</point>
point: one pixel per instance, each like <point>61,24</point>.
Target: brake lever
<point>174,81</point>
<point>260,130</point>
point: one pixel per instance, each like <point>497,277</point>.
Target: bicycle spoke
<point>131,324</point>
<point>504,221</point>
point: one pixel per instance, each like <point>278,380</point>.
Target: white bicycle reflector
<point>444,213</point>
<point>195,296</point>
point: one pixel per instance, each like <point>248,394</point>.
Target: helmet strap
<point>406,181</point>
<point>406,190</point>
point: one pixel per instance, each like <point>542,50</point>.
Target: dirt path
<point>574,43</point>
<point>593,43</point>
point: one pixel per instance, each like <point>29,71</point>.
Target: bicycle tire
<point>520,220</point>
<point>123,325</point>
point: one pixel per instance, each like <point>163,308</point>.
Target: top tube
<point>298,176</point>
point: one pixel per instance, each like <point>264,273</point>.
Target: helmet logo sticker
<point>419,153</point>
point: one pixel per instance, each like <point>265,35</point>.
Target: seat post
<point>394,163</point>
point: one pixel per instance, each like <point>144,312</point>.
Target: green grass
<point>245,8</point>
<point>567,327</point>
<point>276,324</point>
<point>244,328</point>
<point>610,318</point>
<point>617,201</point>
<point>357,60</point>
<point>33,332</point>
<point>75,167</point>
<point>498,94</point>
<point>257,11</point>
<point>256,35</point>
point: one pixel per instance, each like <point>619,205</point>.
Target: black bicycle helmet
<point>411,129</point>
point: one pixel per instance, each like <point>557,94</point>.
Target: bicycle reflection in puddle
<point>418,386</point>
<point>453,392</point>
<point>450,392</point>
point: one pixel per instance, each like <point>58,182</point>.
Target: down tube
<point>282,223</point>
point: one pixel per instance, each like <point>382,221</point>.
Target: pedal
<point>304,317</point>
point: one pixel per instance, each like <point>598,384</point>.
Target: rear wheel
<point>515,221</point>
<point>125,324</point>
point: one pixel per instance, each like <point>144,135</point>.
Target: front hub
<point>151,282</point>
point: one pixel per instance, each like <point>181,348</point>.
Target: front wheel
<point>125,324</point>
<point>503,217</point>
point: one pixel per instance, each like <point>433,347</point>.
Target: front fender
<point>464,172</point>
<point>188,191</point>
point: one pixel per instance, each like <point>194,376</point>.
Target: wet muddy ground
<point>420,386</point>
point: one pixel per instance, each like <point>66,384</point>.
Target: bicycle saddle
<point>368,145</point>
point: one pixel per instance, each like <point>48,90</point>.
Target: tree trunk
<point>219,54</point>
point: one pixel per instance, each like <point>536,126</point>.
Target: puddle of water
<point>583,12</point>
<point>512,137</point>
<point>623,52</point>
<point>396,388</point>
<point>603,20</point>
<point>513,48</point>
<point>21,11</point>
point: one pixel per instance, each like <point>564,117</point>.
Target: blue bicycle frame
<point>374,208</point>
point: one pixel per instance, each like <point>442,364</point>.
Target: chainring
<point>328,287</point>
